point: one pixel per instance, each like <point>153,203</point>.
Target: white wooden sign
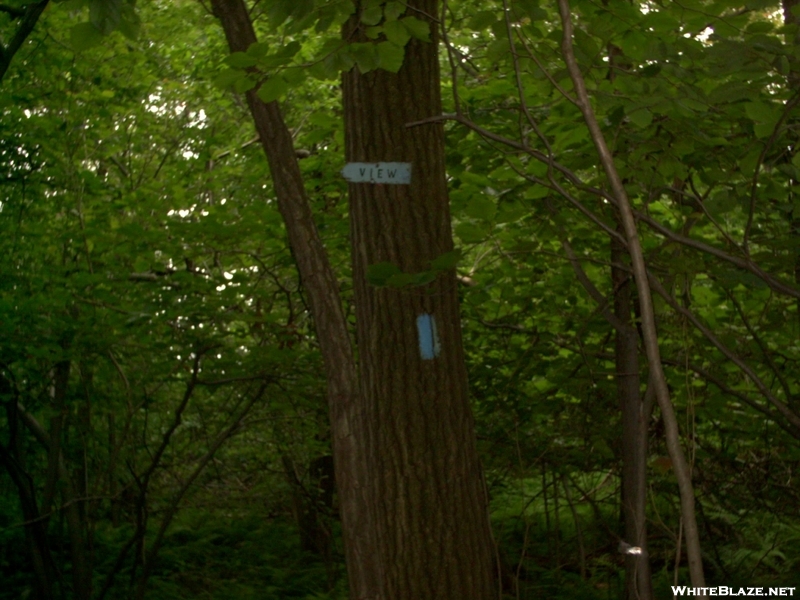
<point>381,172</point>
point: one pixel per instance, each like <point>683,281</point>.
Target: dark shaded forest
<point>557,357</point>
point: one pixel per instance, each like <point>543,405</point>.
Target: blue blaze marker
<point>429,347</point>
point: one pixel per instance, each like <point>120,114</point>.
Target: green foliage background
<point>139,231</point>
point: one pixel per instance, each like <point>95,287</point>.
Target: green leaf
<point>327,15</point>
<point>483,19</point>
<point>400,280</point>
<point>482,208</point>
<point>105,15</point>
<point>396,33</point>
<point>693,104</point>
<point>258,50</point>
<point>446,261</point>
<point>280,10</point>
<point>290,49</point>
<point>393,10</point>
<point>720,203</point>
<point>633,44</point>
<point>228,77</point>
<point>366,56</point>
<point>281,57</point>
<point>509,212</point>
<point>470,233</point>
<point>661,21</point>
<point>379,273</point>
<point>478,179</point>
<point>240,60</point>
<point>341,61</point>
<point>417,28</point>
<point>748,162</point>
<point>272,89</point>
<point>763,130</point>
<point>130,24</point>
<point>372,15</point>
<point>424,277</point>
<point>390,56</point>
<point>478,297</point>
<point>294,76</point>
<point>762,112</point>
<point>84,36</point>
<point>641,117</point>
<point>244,84</point>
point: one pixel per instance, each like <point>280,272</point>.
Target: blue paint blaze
<point>429,347</point>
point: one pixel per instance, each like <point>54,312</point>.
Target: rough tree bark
<point>433,538</point>
<point>413,506</point>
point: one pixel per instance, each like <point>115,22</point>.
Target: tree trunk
<point>35,534</point>
<point>323,293</point>
<point>638,582</point>
<point>426,496</point>
<point>30,16</point>
<point>57,472</point>
<point>12,458</point>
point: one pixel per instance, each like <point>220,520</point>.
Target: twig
<point>30,15</point>
<point>790,415</point>
<point>450,51</point>
<point>757,169</point>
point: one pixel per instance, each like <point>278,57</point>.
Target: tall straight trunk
<point>433,538</point>
<point>635,416</point>
<point>76,522</point>
<point>12,457</point>
<point>638,582</point>
<point>59,478</point>
<point>35,534</point>
<point>322,288</point>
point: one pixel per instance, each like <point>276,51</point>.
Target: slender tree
<point>636,414</point>
<point>322,287</point>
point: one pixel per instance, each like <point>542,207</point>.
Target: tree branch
<point>29,15</point>
<point>14,11</point>
<point>787,412</point>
